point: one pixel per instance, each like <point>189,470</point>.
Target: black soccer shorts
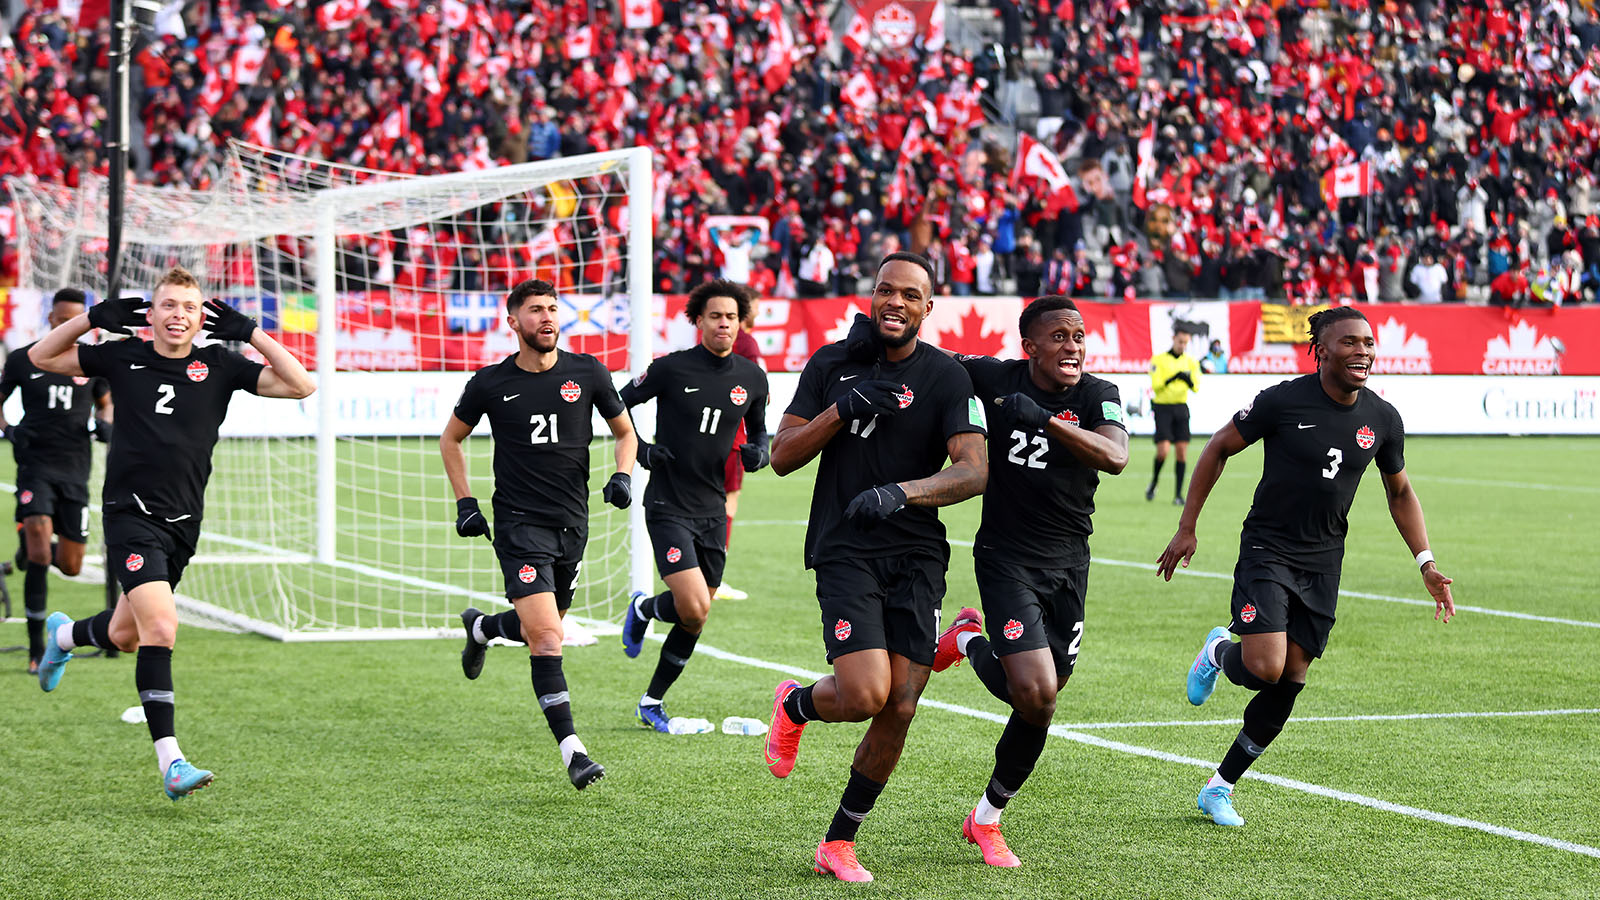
<point>1172,421</point>
<point>1269,597</point>
<point>682,543</point>
<point>1027,608</point>
<point>141,549</point>
<point>889,603</point>
<point>65,502</point>
<point>537,559</point>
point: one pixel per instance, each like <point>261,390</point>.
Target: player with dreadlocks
<point>1320,432</point>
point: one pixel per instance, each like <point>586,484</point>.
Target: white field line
<point>1396,717</point>
<point>1519,485</point>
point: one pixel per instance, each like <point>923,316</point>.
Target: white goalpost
<point>331,519</point>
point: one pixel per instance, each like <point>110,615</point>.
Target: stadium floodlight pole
<point>327,402</point>
<point>641,349</point>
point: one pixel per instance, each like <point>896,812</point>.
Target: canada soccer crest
<point>133,563</point>
<point>841,630</point>
<point>1247,614</point>
<point>1013,630</point>
<point>526,574</point>
<point>570,392</point>
<point>904,396</point>
<point>197,371</point>
<point>674,554</point>
<point>1069,417</point>
<point>738,395</point>
<point>26,497</point>
<point>1365,438</point>
<point>79,380</point>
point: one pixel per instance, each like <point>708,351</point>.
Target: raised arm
<point>800,440</point>
<point>284,376</point>
<point>965,477</point>
<point>1406,510</point>
<point>58,351</point>
<point>1225,443</point>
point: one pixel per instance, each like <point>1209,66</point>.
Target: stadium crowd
<point>1467,129</point>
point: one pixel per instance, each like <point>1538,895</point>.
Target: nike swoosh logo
<point>690,390</point>
<point>1303,427</point>
<point>37,375</point>
<point>132,366</point>
<point>848,377</point>
<point>509,397</point>
<point>178,519</point>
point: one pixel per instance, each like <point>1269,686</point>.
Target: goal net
<point>331,518</point>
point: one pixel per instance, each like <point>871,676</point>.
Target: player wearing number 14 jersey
<point>1320,432</point>
<point>1053,430</point>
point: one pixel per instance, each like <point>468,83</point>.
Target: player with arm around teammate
<point>51,447</point>
<point>884,415</point>
<point>171,399</point>
<point>540,403</point>
<point>1053,430</point>
<point>702,395</point>
<point>1320,431</point>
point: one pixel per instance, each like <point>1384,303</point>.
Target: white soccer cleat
<point>724,592</point>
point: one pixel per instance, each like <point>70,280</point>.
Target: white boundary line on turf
<point>1520,485</point>
<point>1396,717</point>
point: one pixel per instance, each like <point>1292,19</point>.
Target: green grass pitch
<point>376,770</point>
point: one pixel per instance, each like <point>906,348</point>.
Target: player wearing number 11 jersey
<point>1320,432</point>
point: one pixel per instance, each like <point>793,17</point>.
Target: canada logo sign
<point>1523,351</point>
<point>1069,417</point>
<point>738,395</point>
<point>570,392</point>
<point>526,574</point>
<point>197,371</point>
<point>133,563</point>
<point>895,25</point>
<point>1013,630</point>
<point>1365,438</point>
<point>905,396</point>
<point>1247,614</point>
<point>841,630</point>
<point>674,554</point>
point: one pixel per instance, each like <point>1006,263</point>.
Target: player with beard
<point>1320,431</point>
<point>540,402</point>
<point>884,414</point>
<point>1055,428</point>
<point>51,447</point>
<point>171,399</point>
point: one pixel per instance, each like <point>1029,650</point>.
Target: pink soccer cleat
<point>838,858</point>
<point>945,653</point>
<point>783,735</point>
<point>988,839</point>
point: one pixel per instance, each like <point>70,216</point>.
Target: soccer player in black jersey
<point>51,446</point>
<point>884,415</point>
<point>171,398</point>
<point>1321,431</point>
<point>1053,430</point>
<point>540,402</point>
<point>701,394</point>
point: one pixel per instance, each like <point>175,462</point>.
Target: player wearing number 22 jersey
<point>1053,429</point>
<point>1320,432</point>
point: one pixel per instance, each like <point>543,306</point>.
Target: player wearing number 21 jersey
<point>1320,432</point>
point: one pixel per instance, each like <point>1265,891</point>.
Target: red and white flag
<point>396,125</point>
<point>247,62</point>
<point>858,34</point>
<point>1036,161</point>
<point>340,13</point>
<point>622,69</point>
<point>641,14</point>
<point>580,43</point>
<point>212,92</point>
<point>1354,180</point>
<point>1585,85</point>
<point>1146,171</point>
<point>454,15</point>
<point>859,92</point>
<point>258,130</point>
<point>778,60</point>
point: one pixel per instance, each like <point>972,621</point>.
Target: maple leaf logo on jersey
<point>841,630</point>
<point>133,563</point>
<point>1013,630</point>
<point>1247,614</point>
<point>905,397</point>
<point>526,574</point>
<point>1245,412</point>
<point>1069,417</point>
<point>26,497</point>
<point>79,380</point>
<point>197,371</point>
<point>638,379</point>
<point>1365,438</point>
<point>674,554</point>
<point>738,395</point>
<point>570,392</point>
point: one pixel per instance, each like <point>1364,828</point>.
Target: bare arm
<point>455,459</point>
<point>58,351</point>
<point>284,376</point>
<point>103,408</point>
<point>626,451</point>
<point>965,477</point>
<point>1406,510</point>
<point>1225,443</point>
<point>1104,448</point>
<point>800,440</point>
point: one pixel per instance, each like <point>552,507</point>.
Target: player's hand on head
<point>470,521</point>
<point>1020,409</point>
<point>754,456</point>
<point>870,398</point>
<point>1179,550</point>
<point>1444,605</point>
<point>618,491</point>
<point>225,323</point>
<point>861,343</point>
<point>873,505</point>
<point>653,455</point>
<point>119,316</point>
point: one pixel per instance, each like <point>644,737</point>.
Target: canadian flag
<point>394,126</point>
<point>1147,165</point>
<point>622,69</point>
<point>259,129</point>
<point>778,60</point>
<point>340,13</point>
<point>1035,160</point>
<point>454,14</point>
<point>897,191</point>
<point>212,92</point>
<point>247,62</point>
<point>859,92</point>
<point>641,14</point>
<point>1584,85</point>
<point>858,34</point>
<point>1354,180</point>
<point>911,145</point>
<point>580,43</point>
<point>933,42</point>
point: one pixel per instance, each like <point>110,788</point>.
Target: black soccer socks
<point>1233,666</point>
<point>95,631</point>
<point>660,607</point>
<point>1014,758</point>
<point>1178,467</point>
<point>152,675</point>
<point>799,706</point>
<point>35,598</point>
<point>550,686</point>
<point>1264,718</point>
<point>860,795</point>
<point>675,653</point>
<point>988,667</point>
<point>507,625</point>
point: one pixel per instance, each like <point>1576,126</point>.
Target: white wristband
<point>1424,558</point>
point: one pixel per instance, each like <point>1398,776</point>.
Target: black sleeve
<point>605,393</point>
<point>755,418</point>
<point>1106,408</point>
<point>1260,418</point>
<point>810,398</point>
<point>647,385</point>
<point>961,411</point>
<point>246,372</point>
<point>9,380</point>
<point>983,371</point>
<point>97,359</point>
<point>470,408</point>
<point>1392,453</point>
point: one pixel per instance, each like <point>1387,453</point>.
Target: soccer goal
<point>331,518</point>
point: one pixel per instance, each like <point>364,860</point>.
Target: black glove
<point>618,491</point>
<point>870,398</point>
<point>754,455</point>
<point>1184,377</point>
<point>862,344</point>
<point>119,316</point>
<point>225,323</point>
<point>102,430</point>
<point>1020,409</point>
<point>873,505</point>
<point>470,521</point>
<point>8,431</point>
<point>652,455</point>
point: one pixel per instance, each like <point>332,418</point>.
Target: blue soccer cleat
<point>183,779</point>
<point>1203,674</point>
<point>633,626</point>
<point>55,658</point>
<point>1217,802</point>
<point>654,715</point>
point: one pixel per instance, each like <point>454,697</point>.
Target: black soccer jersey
<point>542,424</point>
<point>52,440</point>
<point>1316,451</point>
<point>700,400</point>
<point>168,413</point>
<point>937,404</point>
<point>1037,504</point>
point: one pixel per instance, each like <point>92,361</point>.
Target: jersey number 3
<point>1335,458</point>
<point>1033,461</point>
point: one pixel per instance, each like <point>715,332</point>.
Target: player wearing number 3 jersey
<point>1320,432</point>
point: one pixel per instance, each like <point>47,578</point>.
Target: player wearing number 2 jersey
<point>1320,432</point>
<point>171,399</point>
<point>1053,430</point>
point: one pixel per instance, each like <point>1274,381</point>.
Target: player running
<point>1055,428</point>
<point>733,473</point>
<point>702,395</point>
<point>540,402</point>
<point>884,415</point>
<point>171,398</point>
<point>1321,431</point>
<point>51,447</point>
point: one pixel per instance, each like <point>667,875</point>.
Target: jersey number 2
<point>61,393</point>
<point>1040,445</point>
<point>164,401</point>
<point>544,429</point>
<point>1335,457</point>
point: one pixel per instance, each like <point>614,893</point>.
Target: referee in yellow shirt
<point>1173,375</point>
